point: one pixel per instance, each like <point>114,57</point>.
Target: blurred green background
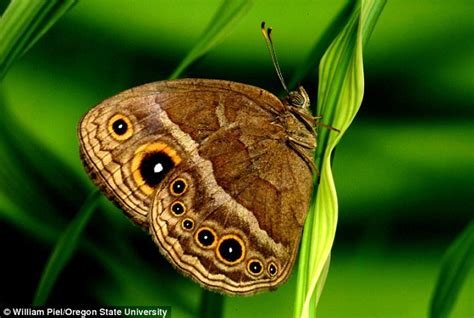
<point>404,171</point>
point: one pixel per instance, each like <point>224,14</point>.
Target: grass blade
<point>23,23</point>
<point>64,249</point>
<point>457,262</point>
<point>341,87</point>
<point>230,12</point>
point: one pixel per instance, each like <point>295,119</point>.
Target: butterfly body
<point>220,173</point>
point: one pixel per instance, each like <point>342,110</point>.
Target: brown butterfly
<point>221,173</point>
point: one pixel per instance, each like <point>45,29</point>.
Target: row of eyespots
<point>230,249</point>
<point>177,188</point>
<point>152,165</point>
<point>255,267</point>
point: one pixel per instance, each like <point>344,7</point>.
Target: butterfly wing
<point>246,191</point>
<point>116,137</point>
<point>206,164</point>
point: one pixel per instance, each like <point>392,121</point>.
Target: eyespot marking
<point>188,224</point>
<point>151,163</point>
<point>178,208</point>
<point>120,127</point>
<point>178,187</point>
<point>255,267</point>
<point>206,237</point>
<point>231,249</point>
<point>272,269</point>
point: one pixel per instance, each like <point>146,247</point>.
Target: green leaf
<point>64,249</point>
<point>23,23</point>
<point>457,262</point>
<point>341,88</point>
<point>230,12</point>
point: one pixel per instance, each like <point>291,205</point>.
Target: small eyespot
<point>120,127</point>
<point>178,208</point>
<point>178,187</point>
<point>255,267</point>
<point>206,237</point>
<point>231,249</point>
<point>188,224</point>
<point>272,269</point>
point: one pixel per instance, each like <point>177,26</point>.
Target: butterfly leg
<point>313,121</point>
<point>297,146</point>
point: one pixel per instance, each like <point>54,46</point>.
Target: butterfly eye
<point>231,249</point>
<point>120,127</point>
<point>255,267</point>
<point>206,237</point>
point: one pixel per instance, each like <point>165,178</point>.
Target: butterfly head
<point>298,98</point>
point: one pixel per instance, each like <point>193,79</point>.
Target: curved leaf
<point>341,87</point>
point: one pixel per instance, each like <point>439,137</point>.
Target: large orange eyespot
<point>151,163</point>
<point>120,127</point>
<point>206,237</point>
<point>231,249</point>
<point>255,267</point>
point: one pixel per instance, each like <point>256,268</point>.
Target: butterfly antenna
<point>267,34</point>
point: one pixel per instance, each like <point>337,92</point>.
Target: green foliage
<point>403,171</point>
<point>312,61</point>
<point>457,263</point>
<point>64,249</point>
<point>341,87</point>
<point>228,15</point>
<point>24,23</point>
